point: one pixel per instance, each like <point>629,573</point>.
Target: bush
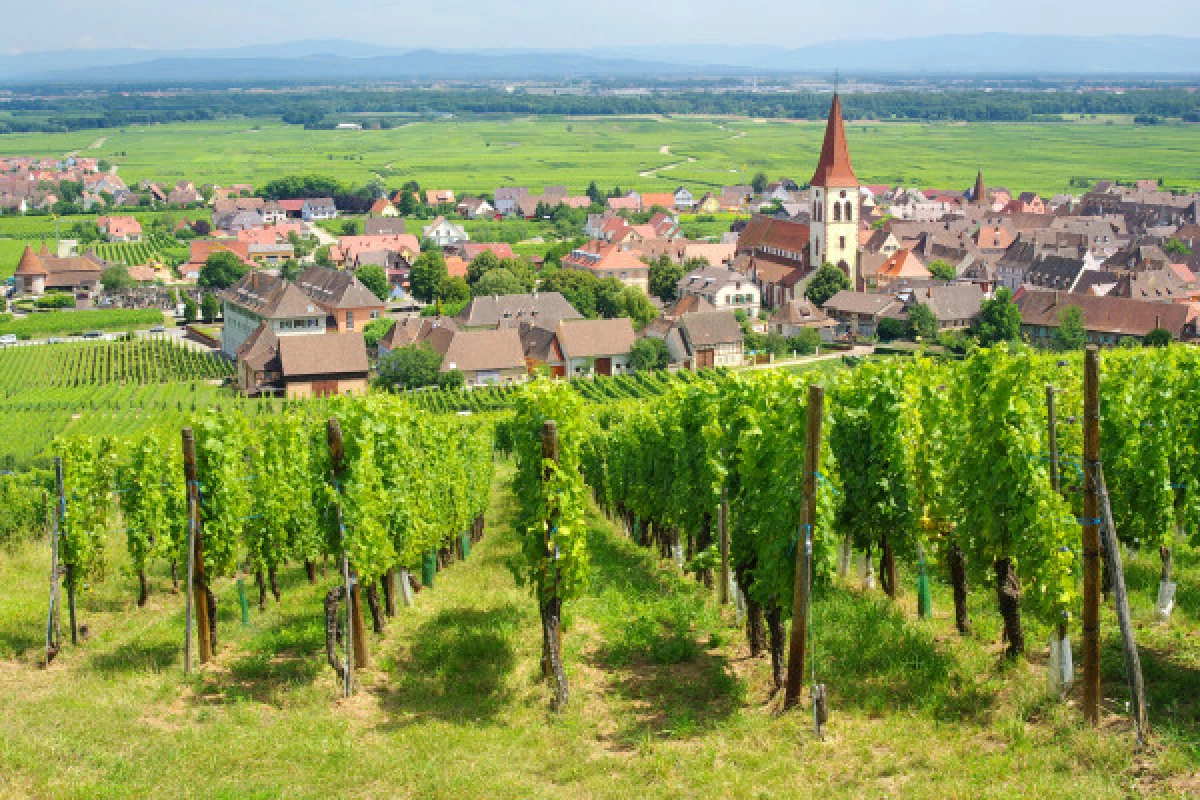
<point>53,301</point>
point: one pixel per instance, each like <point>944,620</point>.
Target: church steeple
<point>979,196</point>
<point>834,168</point>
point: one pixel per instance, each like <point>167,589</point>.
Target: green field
<point>478,155</point>
<point>10,256</point>
<point>59,323</point>
<point>666,701</point>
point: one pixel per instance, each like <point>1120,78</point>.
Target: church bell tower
<point>833,233</point>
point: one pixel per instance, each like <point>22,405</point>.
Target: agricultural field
<point>71,323</point>
<point>41,226</point>
<point>647,153</point>
<point>10,256</point>
<point>157,247</point>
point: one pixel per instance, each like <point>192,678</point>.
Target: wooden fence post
<point>808,518</point>
<point>52,630</point>
<point>197,589</point>
<point>1091,537</point>
<point>358,632</point>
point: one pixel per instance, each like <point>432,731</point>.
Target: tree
<point>1070,333</point>
<point>649,353</point>
<point>759,182</point>
<point>117,278</point>
<point>374,278</point>
<point>411,367</point>
<point>664,279</point>
<point>321,256</point>
<point>484,263</point>
<point>890,329</point>
<point>828,281</point>
<point>577,286</point>
<point>496,282</point>
<point>805,342</point>
<point>942,270</point>
<point>427,274</point>
<point>1159,337</point>
<point>999,319</point>
<point>351,227</point>
<point>922,322</point>
<point>594,194</point>
<point>210,307</point>
<point>221,270</point>
<point>376,329</point>
<point>202,227</point>
<point>190,310</point>
<point>290,270</point>
<point>453,293</point>
<point>1176,248</point>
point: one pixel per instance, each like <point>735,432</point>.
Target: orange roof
<point>903,264</point>
<point>30,264</point>
<point>456,267</point>
<point>650,200</point>
<point>834,168</point>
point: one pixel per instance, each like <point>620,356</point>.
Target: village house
<point>706,339</point>
<point>1106,320</point>
<point>300,367</point>
<point>592,347</point>
<point>41,272</point>
<point>507,197</point>
<point>383,208</point>
<point>444,233</point>
<point>120,229</point>
<point>317,208</point>
<point>795,316</point>
<point>857,313</point>
<point>510,310</point>
<point>476,208</point>
<point>484,357</point>
<point>610,261</point>
<point>727,289</point>
<point>684,200</point>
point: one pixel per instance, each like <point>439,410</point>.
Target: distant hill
<point>334,59</point>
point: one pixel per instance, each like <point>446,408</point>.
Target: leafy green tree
<point>759,182</point>
<point>577,286</point>
<point>427,274</point>
<point>484,263</point>
<point>190,310</point>
<point>825,283</point>
<point>374,278</point>
<point>453,292</point>
<point>1070,333</point>
<point>221,270</point>
<point>411,367</point>
<point>117,278</point>
<point>210,307</point>
<point>805,342</point>
<point>922,322</point>
<point>321,256</point>
<point>889,329</point>
<point>664,279</point>
<point>594,194</point>
<point>496,282</point>
<point>999,319</point>
<point>376,329</point>
<point>942,270</point>
<point>351,227</point>
<point>648,354</point>
<point>1159,337</point>
<point>1175,247</point>
<point>290,270</point>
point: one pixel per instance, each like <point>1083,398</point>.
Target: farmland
<point>480,154</point>
<point>60,323</point>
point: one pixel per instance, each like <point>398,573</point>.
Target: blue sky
<point>558,24</point>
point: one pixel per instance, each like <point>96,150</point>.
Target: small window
<point>842,242</point>
<point>349,320</point>
<point>849,212</point>
<point>837,212</point>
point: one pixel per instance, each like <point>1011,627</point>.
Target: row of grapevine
<point>950,459</point>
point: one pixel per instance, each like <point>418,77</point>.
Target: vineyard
<point>157,247</point>
<point>74,323</point>
<point>672,564</point>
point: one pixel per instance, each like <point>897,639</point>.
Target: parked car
<point>94,335</point>
<point>158,329</point>
<point>8,338</point>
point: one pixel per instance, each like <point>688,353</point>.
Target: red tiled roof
<point>834,168</point>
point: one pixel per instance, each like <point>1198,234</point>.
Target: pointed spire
<point>30,264</point>
<point>45,251</point>
<point>834,168</point>
<point>979,196</point>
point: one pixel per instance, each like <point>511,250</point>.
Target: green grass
<point>665,701</point>
<point>50,323</point>
<point>10,256</point>
<point>478,155</point>
<point>41,226</point>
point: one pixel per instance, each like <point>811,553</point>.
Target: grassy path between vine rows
<point>665,701</point>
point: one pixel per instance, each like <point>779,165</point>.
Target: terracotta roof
<point>903,264</point>
<point>30,264</point>
<point>472,250</point>
<point>1102,314</point>
<point>201,249</point>
<point>456,267</point>
<point>328,354</point>
<point>585,338</point>
<point>471,351</point>
<point>834,168</point>
<point>652,199</point>
<point>763,232</point>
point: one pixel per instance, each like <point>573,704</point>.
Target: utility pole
<point>1091,537</point>
<point>808,516</point>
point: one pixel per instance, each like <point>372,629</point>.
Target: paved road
<point>859,350</point>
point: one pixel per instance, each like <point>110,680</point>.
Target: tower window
<point>837,212</point>
<point>849,212</point>
<point>842,242</point>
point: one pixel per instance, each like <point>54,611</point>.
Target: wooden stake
<point>1091,537</point>
<point>1052,439</point>
<point>723,544</point>
<point>551,607</point>
<point>358,632</point>
<point>197,589</point>
<point>808,517</point>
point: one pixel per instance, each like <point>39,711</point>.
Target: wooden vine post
<point>552,666</point>
<point>1091,537</point>
<point>197,588</point>
<point>1052,439</point>
<point>808,517</point>
<point>358,628</point>
<point>723,544</point>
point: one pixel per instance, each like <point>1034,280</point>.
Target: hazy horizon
<point>540,24</point>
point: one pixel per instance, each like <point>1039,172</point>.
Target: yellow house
<point>708,204</point>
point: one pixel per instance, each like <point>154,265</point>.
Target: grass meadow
<point>647,153</point>
<point>666,701</point>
